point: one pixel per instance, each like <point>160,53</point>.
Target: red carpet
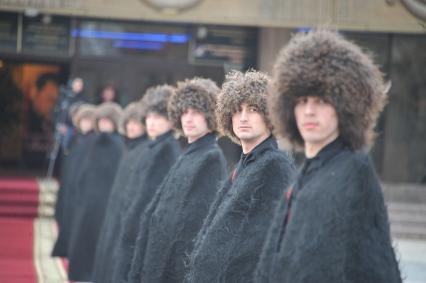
<point>19,197</point>
<point>18,207</point>
<point>27,231</point>
<point>16,251</point>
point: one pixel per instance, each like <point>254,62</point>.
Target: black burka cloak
<point>174,217</point>
<point>158,157</point>
<point>108,236</point>
<point>228,246</point>
<point>94,186</point>
<point>133,143</point>
<point>65,172</point>
<point>338,228</point>
<point>67,193</point>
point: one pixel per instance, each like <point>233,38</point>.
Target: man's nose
<point>310,108</point>
<point>187,118</point>
<point>243,115</point>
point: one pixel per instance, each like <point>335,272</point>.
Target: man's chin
<point>245,137</point>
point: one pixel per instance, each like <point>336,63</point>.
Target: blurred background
<point>130,45</point>
<point>134,44</point>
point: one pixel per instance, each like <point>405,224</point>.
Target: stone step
<point>399,230</point>
<point>410,214</point>
<point>408,219</point>
<point>407,207</point>
<point>407,193</point>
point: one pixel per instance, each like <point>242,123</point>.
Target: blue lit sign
<point>138,45</point>
<point>149,37</point>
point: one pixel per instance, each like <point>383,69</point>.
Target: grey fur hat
<point>238,88</point>
<point>110,110</point>
<point>198,93</point>
<point>74,107</point>
<point>133,111</point>
<point>84,110</point>
<point>322,63</point>
<point>156,99</point>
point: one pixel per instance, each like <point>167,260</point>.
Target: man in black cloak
<point>134,130</point>
<point>229,243</point>
<point>132,125</point>
<point>332,223</point>
<point>84,121</point>
<point>88,125</point>
<point>94,186</point>
<point>157,157</point>
<point>176,214</point>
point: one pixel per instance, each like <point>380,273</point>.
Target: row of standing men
<point>146,211</point>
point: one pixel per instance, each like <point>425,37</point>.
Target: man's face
<point>105,125</point>
<point>108,94</point>
<point>85,125</point>
<point>194,124</point>
<point>156,125</point>
<point>134,129</point>
<point>248,124</point>
<point>77,85</point>
<point>316,120</point>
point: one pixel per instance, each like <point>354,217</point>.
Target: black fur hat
<point>322,63</point>
<point>83,110</point>
<point>110,110</point>
<point>238,88</point>
<point>156,98</point>
<point>198,93</point>
<point>132,111</point>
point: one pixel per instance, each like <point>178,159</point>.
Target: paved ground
<point>412,254</point>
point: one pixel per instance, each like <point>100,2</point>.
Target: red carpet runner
<point>27,231</point>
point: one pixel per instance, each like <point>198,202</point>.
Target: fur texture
<point>68,192</point>
<point>228,246</point>
<point>74,107</point>
<point>176,213</point>
<point>238,88</point>
<point>133,111</point>
<point>110,110</point>
<point>83,111</point>
<point>157,157</point>
<point>93,188</point>
<point>156,98</point>
<point>108,237</point>
<point>338,229</point>
<point>197,93</point>
<point>322,63</point>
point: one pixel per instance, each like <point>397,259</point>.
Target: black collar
<point>325,154</point>
<point>267,144</point>
<point>161,138</point>
<point>206,140</point>
<point>132,143</point>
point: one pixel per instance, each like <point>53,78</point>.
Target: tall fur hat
<point>156,98</point>
<point>198,93</point>
<point>84,110</point>
<point>74,107</point>
<point>133,111</point>
<point>322,63</point>
<point>238,88</point>
<point>110,110</point>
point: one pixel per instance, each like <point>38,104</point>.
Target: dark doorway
<point>28,94</point>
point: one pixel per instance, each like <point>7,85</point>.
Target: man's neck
<point>249,145</point>
<point>312,149</point>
